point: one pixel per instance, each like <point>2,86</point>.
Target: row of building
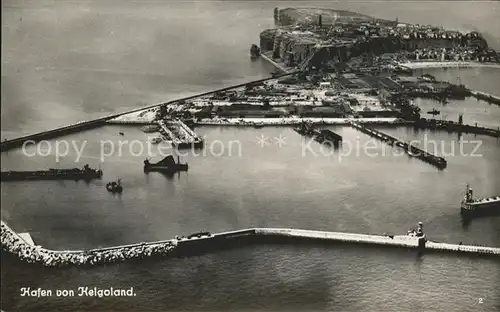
<point>298,45</point>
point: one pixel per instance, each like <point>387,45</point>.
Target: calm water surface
<point>71,61</point>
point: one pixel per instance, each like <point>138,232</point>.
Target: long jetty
<point>411,150</point>
<point>180,134</point>
<point>16,244</point>
<point>455,127</point>
<point>490,98</point>
<point>99,122</point>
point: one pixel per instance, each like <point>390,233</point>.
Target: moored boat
<point>329,136</point>
<point>196,143</point>
<point>254,51</point>
<point>167,165</point>
<point>156,140</point>
<point>150,128</point>
<point>86,173</point>
<point>472,207</point>
<point>434,112</point>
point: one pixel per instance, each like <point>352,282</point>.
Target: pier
<point>450,126</point>
<point>165,131</point>
<point>411,150</point>
<point>401,241</point>
<point>179,134</point>
<point>490,98</point>
<point>186,137</point>
<point>99,122</point>
<point>25,250</point>
<point>275,64</point>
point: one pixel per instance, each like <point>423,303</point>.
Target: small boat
<point>150,128</point>
<point>434,112</point>
<point>156,140</point>
<point>254,52</point>
<point>121,133</point>
<point>258,124</point>
<point>114,187</point>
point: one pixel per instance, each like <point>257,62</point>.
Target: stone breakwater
<point>16,245</point>
<point>200,243</point>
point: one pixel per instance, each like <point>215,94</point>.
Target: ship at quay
<point>87,173</point>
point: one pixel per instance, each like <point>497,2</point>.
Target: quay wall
<point>431,124</point>
<point>130,122</point>
<point>95,123</point>
<point>483,250</point>
<point>455,127</point>
<point>247,122</point>
<point>280,234</point>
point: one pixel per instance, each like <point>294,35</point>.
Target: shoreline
<point>275,64</point>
